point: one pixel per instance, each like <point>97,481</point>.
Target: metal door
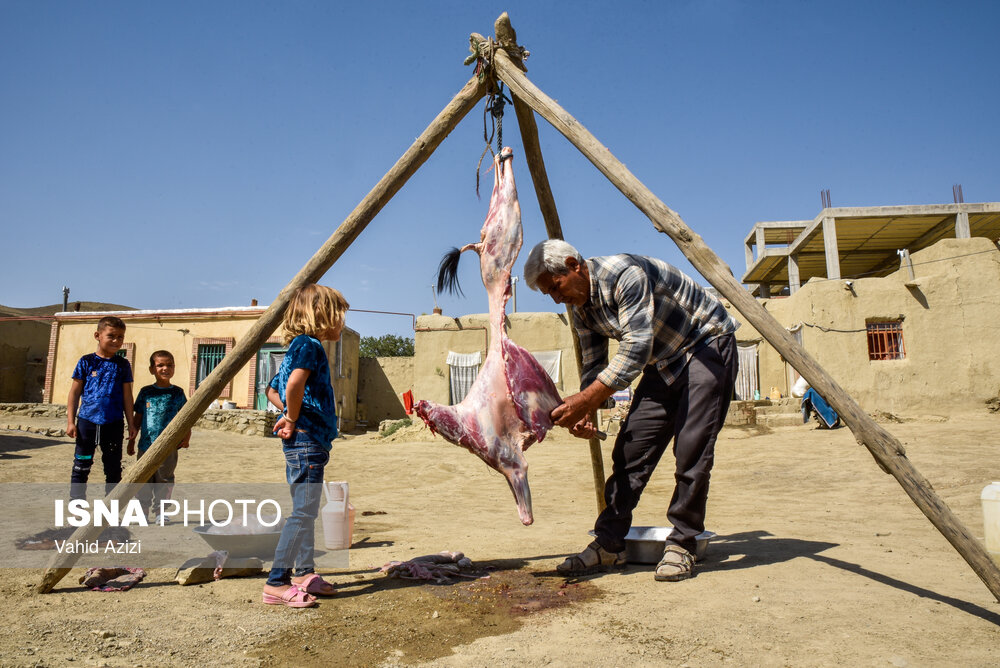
<point>747,382</point>
<point>268,360</point>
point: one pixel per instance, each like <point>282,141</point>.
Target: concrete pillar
<point>748,250</point>
<point>761,242</point>
<point>962,225</point>
<point>830,246</point>
<point>793,274</point>
<point>765,290</point>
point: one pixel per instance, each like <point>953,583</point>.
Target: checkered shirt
<point>659,315</point>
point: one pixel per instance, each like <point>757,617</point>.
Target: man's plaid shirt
<point>659,315</point>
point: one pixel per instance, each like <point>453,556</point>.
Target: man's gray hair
<point>548,256</point>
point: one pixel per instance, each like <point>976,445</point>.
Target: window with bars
<point>128,352</point>
<point>885,340</point>
<point>209,356</point>
<point>206,354</point>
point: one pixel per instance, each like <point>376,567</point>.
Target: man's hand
<point>575,410</point>
<point>71,430</point>
<point>130,450</point>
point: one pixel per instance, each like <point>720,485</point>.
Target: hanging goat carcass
<point>509,404</point>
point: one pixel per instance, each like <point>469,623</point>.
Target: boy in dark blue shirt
<point>102,389</point>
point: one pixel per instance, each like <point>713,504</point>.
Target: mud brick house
<point>22,356</point>
<point>199,339</point>
<point>898,303</point>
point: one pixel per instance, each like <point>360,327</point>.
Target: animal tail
<point>448,273</point>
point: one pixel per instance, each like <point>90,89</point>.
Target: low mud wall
<point>251,423</point>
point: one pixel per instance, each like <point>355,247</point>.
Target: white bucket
<point>338,517</point>
<point>991,518</point>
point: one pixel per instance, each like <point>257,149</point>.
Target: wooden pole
<point>339,241</point>
<point>885,448</point>
<point>547,203</point>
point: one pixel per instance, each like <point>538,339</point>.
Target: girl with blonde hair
<point>301,389</point>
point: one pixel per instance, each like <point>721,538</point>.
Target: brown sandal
<point>676,564</point>
<point>594,558</point>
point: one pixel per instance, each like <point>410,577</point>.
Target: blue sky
<point>190,154</point>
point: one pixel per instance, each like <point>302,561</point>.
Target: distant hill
<point>57,308</point>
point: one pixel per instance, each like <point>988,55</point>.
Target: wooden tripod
<point>505,64</point>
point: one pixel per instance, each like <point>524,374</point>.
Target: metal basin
<point>260,545</point>
<point>644,545</point>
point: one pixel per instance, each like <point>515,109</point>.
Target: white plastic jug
<point>338,517</point>
<point>991,518</point>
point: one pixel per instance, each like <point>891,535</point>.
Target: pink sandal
<point>316,585</point>
<point>293,597</point>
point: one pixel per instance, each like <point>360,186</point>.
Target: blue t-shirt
<point>318,416</point>
<point>156,407</point>
<point>103,399</point>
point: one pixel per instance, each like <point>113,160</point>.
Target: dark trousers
<point>88,436</point>
<point>691,411</point>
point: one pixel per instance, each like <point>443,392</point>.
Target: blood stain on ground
<point>377,618</point>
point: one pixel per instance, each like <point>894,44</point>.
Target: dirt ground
<point>821,559</point>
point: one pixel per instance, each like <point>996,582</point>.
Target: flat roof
<point>867,238</point>
<point>132,313</point>
<point>251,311</point>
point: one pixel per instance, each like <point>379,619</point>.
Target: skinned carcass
<point>509,404</point>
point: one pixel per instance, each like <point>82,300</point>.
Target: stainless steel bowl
<point>260,545</point>
<point>644,545</point>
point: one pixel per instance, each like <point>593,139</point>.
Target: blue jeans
<point>304,462</point>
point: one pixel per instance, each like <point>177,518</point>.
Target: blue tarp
<point>813,403</point>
